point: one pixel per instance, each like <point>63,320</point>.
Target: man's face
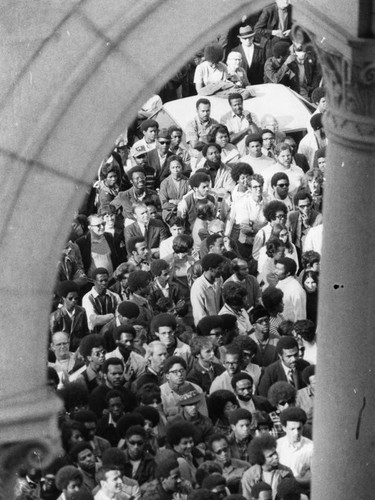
<point>237,106</point>
<point>280,271</point>
<point>207,353</point>
<point>244,389</point>
<point>176,137</point>
<point>280,218</point>
<point>232,363</point>
<point>109,219</point>
<point>116,408</point>
<point>176,168</point>
<point>293,431</point>
<point>243,269</point>
<point>90,428</point>
<point>242,429</point>
<point>216,335</point>
<point>97,226</point>
<point>289,357</point>
<point>312,384</point>
<point>158,358</point>
<point>126,341</point>
<point>247,42</point>
<point>141,215</point>
<point>234,61</point>
<point>221,451</point>
<point>164,277</point>
<point>304,207</point>
<point>150,134</point>
<point>135,446</point>
<point>101,283</point>
<point>60,345</point>
<point>218,246</point>
<point>262,327</point>
<point>282,188</point>
<point>322,163</point>
<point>291,143</point>
<point>73,487</point>
<point>285,158</point>
<point>176,374</point>
<point>166,335</point>
<point>255,149</point>
<point>202,189</point>
<point>97,355</point>
<point>213,155</point>
<point>185,445</point>
<point>114,376</point>
<point>163,144</point>
<point>140,161</point>
<point>256,190</point>
<point>176,230</point>
<point>173,481</point>
<point>113,482</point>
<point>152,212</point>
<point>138,180</point>
<point>268,140</point>
<point>142,250</point>
<point>271,459</point>
<point>204,111</point>
<point>86,460</point>
<point>322,105</point>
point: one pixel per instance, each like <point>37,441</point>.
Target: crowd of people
<point>183,322</point>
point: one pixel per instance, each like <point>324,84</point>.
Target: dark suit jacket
<point>275,373</point>
<point>162,171</point>
<point>156,232</point>
<point>84,243</point>
<point>293,217</point>
<point>313,73</point>
<point>302,162</point>
<point>267,22</point>
<point>256,71</point>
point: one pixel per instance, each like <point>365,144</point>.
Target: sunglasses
<point>136,443</point>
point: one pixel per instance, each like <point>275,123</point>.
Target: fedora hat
<point>246,32</point>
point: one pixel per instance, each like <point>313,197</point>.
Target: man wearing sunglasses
<point>280,190</point>
<point>157,158</point>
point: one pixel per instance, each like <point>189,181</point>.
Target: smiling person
<point>65,362</point>
<point>111,485</point>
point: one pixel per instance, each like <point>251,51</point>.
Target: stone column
<point>344,415</point>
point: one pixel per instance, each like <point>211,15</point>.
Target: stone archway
<point>77,73</point>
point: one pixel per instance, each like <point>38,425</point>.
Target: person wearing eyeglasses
<point>281,395</point>
<point>265,341</point>
<point>92,351</point>
<point>176,385</point>
<point>232,468</point>
<point>280,190</point>
<point>158,158</point>
<point>138,463</point>
<point>232,364</point>
<point>66,361</point>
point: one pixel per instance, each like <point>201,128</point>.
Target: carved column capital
<point>349,77</point>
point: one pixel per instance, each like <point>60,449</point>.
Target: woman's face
<point>283,236</point>
<point>176,168</point>
<point>222,139</point>
<point>310,285</point>
<point>315,187</point>
<point>111,179</point>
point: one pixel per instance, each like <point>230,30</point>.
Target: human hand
<point>286,33</point>
<point>277,33</point>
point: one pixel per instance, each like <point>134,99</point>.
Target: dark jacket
<point>77,328</point>
<point>201,377</point>
<point>275,373</point>
<point>256,71</point>
<point>156,232</point>
<point>145,471</point>
<point>84,243</point>
<point>162,171</point>
<point>269,21</point>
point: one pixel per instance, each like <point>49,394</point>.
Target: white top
<point>314,239</point>
<point>297,457</point>
<point>294,299</point>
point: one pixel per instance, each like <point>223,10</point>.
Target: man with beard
<point>112,369</point>
<point>199,128</point>
<point>313,140</point>
<point>240,423</point>
<point>134,363</point>
<point>232,362</point>
<point>100,303</point>
<point>242,384</point>
<point>83,457</point>
<point>266,342</point>
<point>232,468</point>
<point>107,425</point>
<point>220,174</point>
<point>176,385</point>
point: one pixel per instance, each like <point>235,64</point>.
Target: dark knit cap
<point>280,49</point>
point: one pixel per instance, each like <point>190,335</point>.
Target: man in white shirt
<point>294,295</point>
<point>255,157</point>
<point>111,485</point>
<point>150,129</point>
<point>134,363</point>
<point>313,140</point>
<point>295,451</point>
